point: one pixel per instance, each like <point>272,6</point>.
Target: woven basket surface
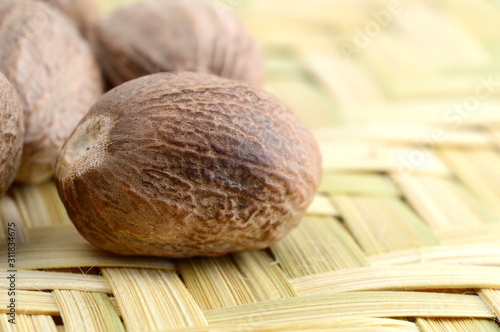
<point>404,232</point>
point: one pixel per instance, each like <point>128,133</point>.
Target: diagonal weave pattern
<point>404,233</point>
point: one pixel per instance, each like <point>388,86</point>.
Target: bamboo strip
<point>10,218</point>
<point>215,282</point>
<point>267,278</point>
<point>346,81</point>
<point>373,157</point>
<point>445,112</point>
<point>357,184</point>
<point>55,234</point>
<point>441,43</point>
<point>456,325</point>
<point>43,280</point>
<point>481,16</point>
<point>348,324</point>
<point>32,303</point>
<point>366,304</point>
<point>311,107</point>
<point>39,205</point>
<point>479,170</point>
<point>444,204</point>
<point>483,254</point>
<point>383,224</point>
<point>61,255</point>
<point>153,299</point>
<point>84,311</point>
<point>317,245</point>
<point>114,302</point>
<point>492,298</point>
<point>28,323</point>
<point>245,277</point>
<point>321,206</point>
<point>404,133</point>
<point>489,233</point>
<point>406,277</point>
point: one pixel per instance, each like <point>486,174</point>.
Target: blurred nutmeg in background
<point>169,36</point>
<point>56,75</point>
<point>83,13</point>
<point>11,133</point>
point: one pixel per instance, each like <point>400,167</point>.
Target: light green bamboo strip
<point>28,323</point>
<point>418,59</point>
<point>483,254</point>
<point>357,184</point>
<point>488,233</point>
<point>85,311</point>
<point>349,85</point>
<point>375,157</point>
<point>481,17</point>
<point>435,112</point>
<point>39,205</point>
<point>406,277</point>
<point>321,206</point>
<point>33,303</point>
<point>61,255</point>
<point>348,324</point>
<point>44,280</point>
<point>404,134</point>
<point>383,224</point>
<point>366,304</point>
<point>337,11</point>
<point>492,298</point>
<point>479,170</point>
<point>317,245</point>
<point>308,104</point>
<point>153,299</point>
<point>443,204</point>
<point>456,325</point>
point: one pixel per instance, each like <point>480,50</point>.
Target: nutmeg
<point>168,36</point>
<point>187,164</point>
<point>11,134</point>
<point>55,74</point>
<point>83,13</point>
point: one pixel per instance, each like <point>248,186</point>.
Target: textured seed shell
<point>170,36</point>
<point>11,134</point>
<point>187,164</point>
<point>83,13</point>
<point>55,74</point>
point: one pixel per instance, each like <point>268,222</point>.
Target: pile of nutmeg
<point>184,156</point>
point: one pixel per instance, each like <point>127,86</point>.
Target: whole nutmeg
<point>187,164</point>
<point>83,13</point>
<point>11,134</point>
<point>170,36</point>
<point>55,74</point>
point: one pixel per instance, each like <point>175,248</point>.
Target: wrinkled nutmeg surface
<point>168,36</point>
<point>187,164</point>
<point>55,74</point>
<point>11,134</point>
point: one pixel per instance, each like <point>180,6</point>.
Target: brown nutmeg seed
<point>55,75</point>
<point>170,36</point>
<point>83,13</point>
<point>187,164</point>
<point>11,134</point>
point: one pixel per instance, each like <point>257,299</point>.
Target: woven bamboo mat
<point>404,233</point>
